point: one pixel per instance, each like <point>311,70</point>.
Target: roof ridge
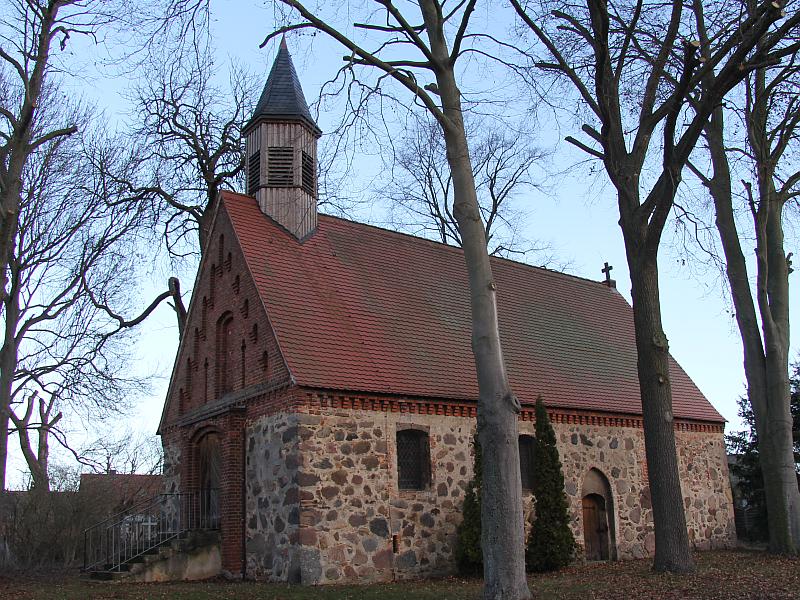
<point>459,250</point>
<point>437,243</point>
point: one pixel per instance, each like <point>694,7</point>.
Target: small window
<point>526,444</point>
<point>280,168</point>
<point>253,173</point>
<point>309,174</point>
<point>413,460</point>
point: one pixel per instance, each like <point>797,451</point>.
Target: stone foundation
<point>323,503</point>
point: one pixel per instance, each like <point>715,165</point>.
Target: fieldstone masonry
<point>323,505</point>
<point>272,510</point>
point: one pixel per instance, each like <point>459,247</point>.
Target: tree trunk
<point>19,142</point>
<point>672,540</point>
<point>765,360</point>
<point>776,452</point>
<point>502,530</point>
<point>8,368</point>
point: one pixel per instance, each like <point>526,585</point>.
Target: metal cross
<point>607,271</point>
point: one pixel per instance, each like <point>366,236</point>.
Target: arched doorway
<point>595,527</point>
<point>598,517</point>
<point>209,469</point>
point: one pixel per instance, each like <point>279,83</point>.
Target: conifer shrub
<point>551,544</point>
<point>469,556</point>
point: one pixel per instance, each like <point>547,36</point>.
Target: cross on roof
<point>607,270</point>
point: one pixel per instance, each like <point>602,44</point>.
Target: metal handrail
<point>143,527</point>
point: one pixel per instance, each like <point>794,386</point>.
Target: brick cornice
<point>317,399</point>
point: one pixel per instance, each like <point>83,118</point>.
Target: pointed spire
<point>282,98</point>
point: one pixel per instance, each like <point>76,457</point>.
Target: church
<point>323,398</point>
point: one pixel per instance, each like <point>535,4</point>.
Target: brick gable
<point>224,294</point>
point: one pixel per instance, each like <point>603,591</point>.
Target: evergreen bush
<point>551,544</point>
<point>469,557</point>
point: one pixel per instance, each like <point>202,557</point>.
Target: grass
<point>720,574</point>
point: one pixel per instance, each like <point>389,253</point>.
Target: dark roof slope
<point>283,97</point>
<point>359,308</point>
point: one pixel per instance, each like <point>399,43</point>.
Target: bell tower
<point>281,139</point>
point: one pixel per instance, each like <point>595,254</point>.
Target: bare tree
<point>410,50</point>
<point>188,140</point>
<point>635,66</point>
<point>420,186</point>
<point>759,148</point>
<point>32,32</point>
<point>128,452</point>
<point>73,258</point>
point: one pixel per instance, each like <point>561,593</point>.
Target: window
<point>280,166</point>
<point>413,459</point>
<point>526,444</point>
<point>309,174</point>
<point>253,173</point>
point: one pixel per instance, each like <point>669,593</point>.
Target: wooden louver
<point>309,174</point>
<point>253,173</point>
<point>280,169</point>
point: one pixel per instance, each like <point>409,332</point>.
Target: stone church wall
<point>271,498</point>
<point>353,523</point>
<point>708,498</point>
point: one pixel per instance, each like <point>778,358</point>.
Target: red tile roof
<point>359,308</point>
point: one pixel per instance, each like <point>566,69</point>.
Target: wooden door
<point>595,527</point>
<point>210,459</point>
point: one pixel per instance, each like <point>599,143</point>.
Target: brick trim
<point>322,399</point>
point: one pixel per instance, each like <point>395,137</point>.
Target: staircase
<point>149,530</point>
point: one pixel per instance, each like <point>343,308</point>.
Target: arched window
<point>225,354</point>
<point>526,444</point>
<point>413,459</point>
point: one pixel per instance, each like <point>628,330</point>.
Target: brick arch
<point>228,428</point>
<point>199,432</point>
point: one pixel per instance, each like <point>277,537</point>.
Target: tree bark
<point>672,541</point>
<point>503,531</point>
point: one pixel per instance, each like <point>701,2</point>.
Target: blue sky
<point>576,216</point>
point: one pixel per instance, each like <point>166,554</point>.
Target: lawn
<point>728,574</point>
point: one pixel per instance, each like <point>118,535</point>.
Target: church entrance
<point>209,462</point>
<point>598,517</point>
<point>595,527</point>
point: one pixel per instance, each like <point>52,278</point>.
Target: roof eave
<point>277,118</point>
